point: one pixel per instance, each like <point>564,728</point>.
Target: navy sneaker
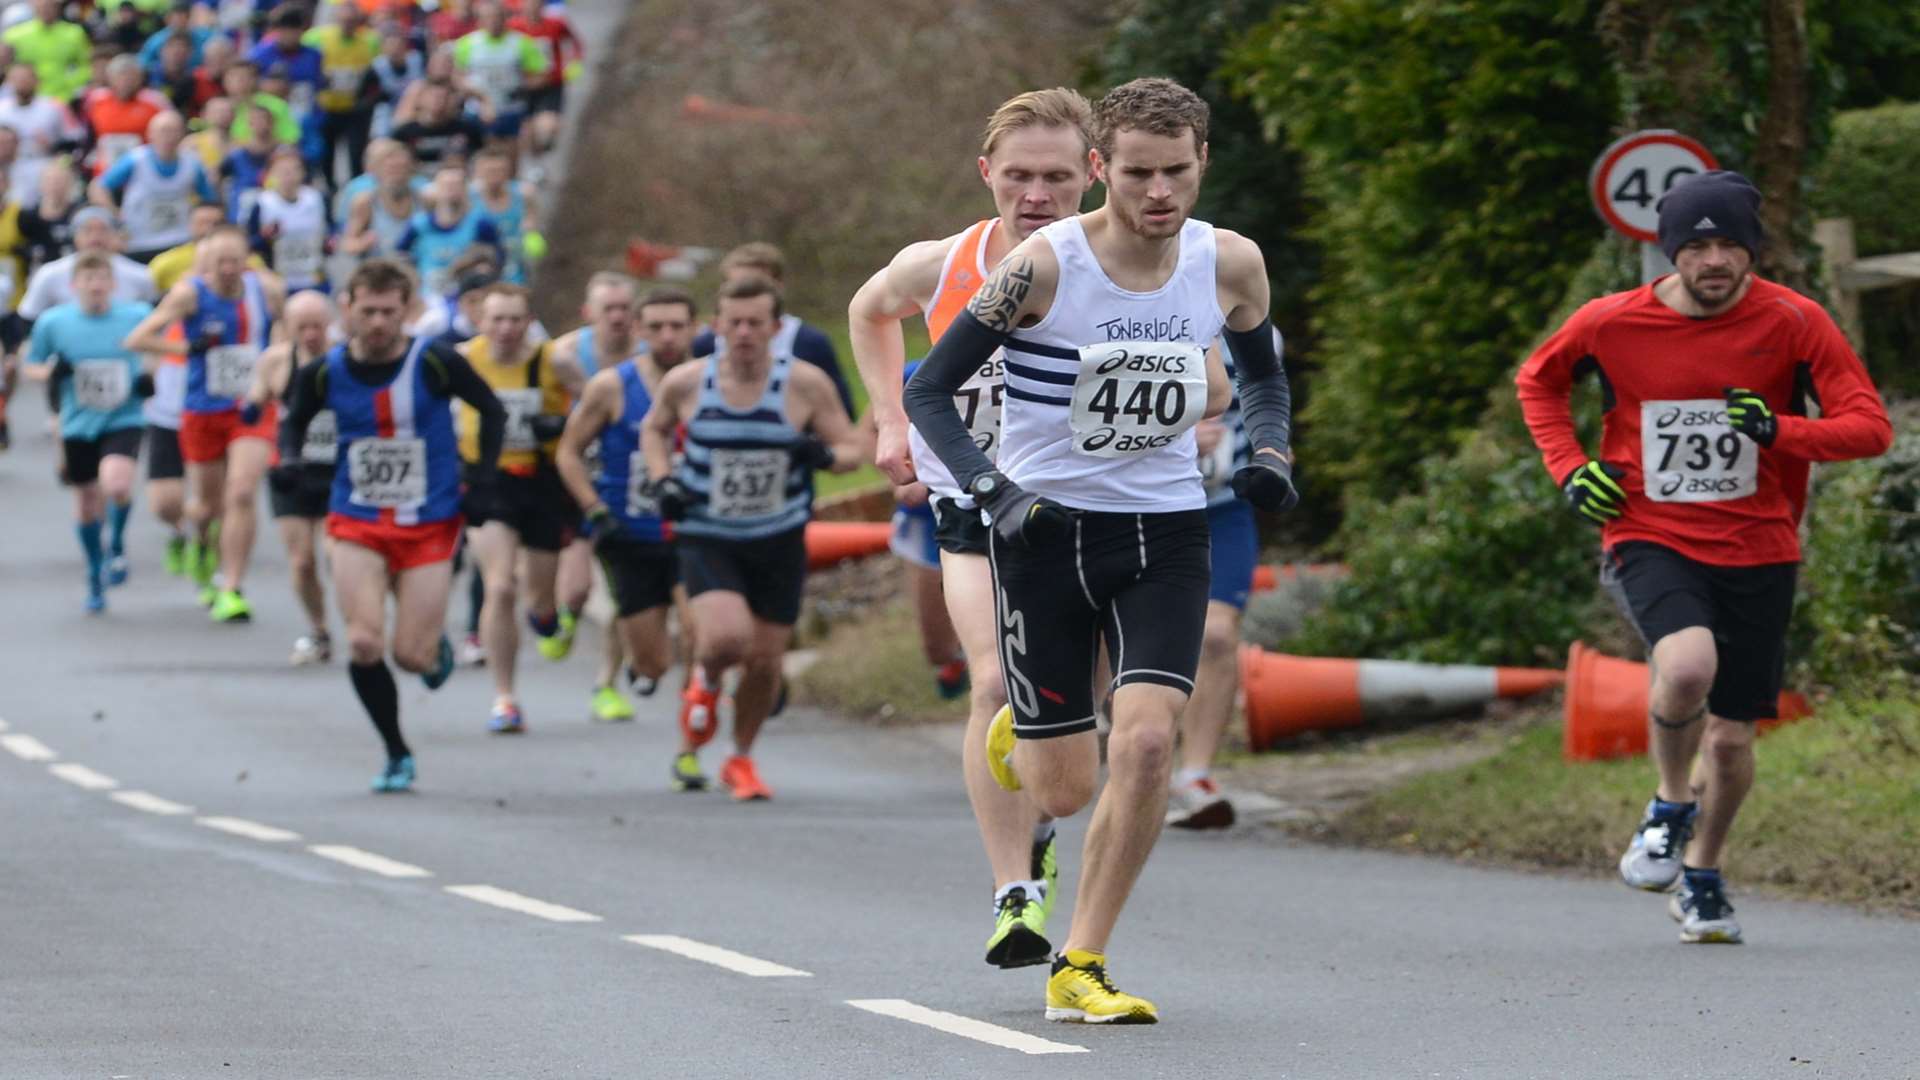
<point>1702,910</point>
<point>1652,859</point>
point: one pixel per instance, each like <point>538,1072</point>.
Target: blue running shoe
<point>442,666</point>
<point>96,598</point>
<point>117,570</point>
<point>506,719</point>
<point>397,777</point>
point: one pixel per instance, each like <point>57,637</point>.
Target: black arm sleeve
<point>1266,402</point>
<point>961,351</point>
<point>307,395</point>
<point>458,379</point>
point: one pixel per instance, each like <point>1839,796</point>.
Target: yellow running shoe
<point>1019,932</point>
<point>1081,993</point>
<point>609,707</point>
<point>230,607</point>
<point>1000,743</point>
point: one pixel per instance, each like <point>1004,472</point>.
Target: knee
<point>501,589</point>
<point>415,659</point>
<point>722,647</point>
<point>1065,798</point>
<point>1141,748</point>
<point>365,647</point>
<point>1727,743</point>
<point>988,692</point>
<point>1221,641</point>
<point>1688,676</point>
<point>301,564</point>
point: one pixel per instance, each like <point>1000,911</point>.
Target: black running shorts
<point>1139,581</point>
<point>163,454</point>
<point>537,507</point>
<point>309,498</point>
<point>640,574</point>
<point>81,457</point>
<point>771,572</point>
<point>1746,607</point>
<point>956,529</point>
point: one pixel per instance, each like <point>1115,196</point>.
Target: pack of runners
<point>1079,457</point>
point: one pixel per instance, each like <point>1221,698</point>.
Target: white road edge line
<point>368,861</point>
<point>82,777</point>
<point>252,830</point>
<point>525,905</point>
<point>717,956</point>
<point>966,1027</point>
<point>27,748</point>
<point>151,803</point>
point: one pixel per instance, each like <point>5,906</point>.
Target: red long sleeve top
<point>1692,483</point>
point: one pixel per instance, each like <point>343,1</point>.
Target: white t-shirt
<point>40,124</point>
<point>52,285</point>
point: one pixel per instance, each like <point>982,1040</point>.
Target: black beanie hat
<point>1718,203</point>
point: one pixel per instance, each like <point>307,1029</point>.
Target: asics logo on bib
<point>1169,328</point>
<point>1173,363</point>
<point>1019,687</point>
<point>1687,418</point>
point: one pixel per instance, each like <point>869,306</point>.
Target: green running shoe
<point>207,595</point>
<point>230,607</point>
<point>176,558</point>
<point>686,772</point>
<point>1046,868</point>
<point>609,707</point>
<point>1019,932</point>
<point>557,645</point>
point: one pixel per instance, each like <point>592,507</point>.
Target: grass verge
<point>1834,814</point>
<point>872,668</point>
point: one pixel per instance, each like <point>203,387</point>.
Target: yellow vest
<point>344,62</point>
<point>12,245</point>
<point>526,389</point>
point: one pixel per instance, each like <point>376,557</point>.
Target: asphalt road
<point>143,938</point>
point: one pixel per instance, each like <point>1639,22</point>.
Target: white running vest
<point>1102,394</point>
<point>300,248</point>
<point>155,207</point>
<point>978,400</point>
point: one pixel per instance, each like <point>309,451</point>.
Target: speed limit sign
<point>1630,176</point>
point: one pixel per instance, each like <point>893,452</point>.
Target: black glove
<point>143,387</point>
<point>1018,516</point>
<point>284,479</point>
<point>547,427</point>
<point>1266,481</point>
<point>249,413</point>
<point>1748,414</point>
<point>813,452</point>
<point>671,496</point>
<point>1594,491</point>
<point>480,501</point>
<point>603,525</point>
<point>62,368</point>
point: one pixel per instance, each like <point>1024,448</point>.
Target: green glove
<point>1594,491</point>
<point>1748,414</point>
<point>533,245</point>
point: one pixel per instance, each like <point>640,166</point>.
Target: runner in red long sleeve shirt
<point>1706,374</point>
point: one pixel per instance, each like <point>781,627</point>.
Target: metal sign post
<point>1628,180</point>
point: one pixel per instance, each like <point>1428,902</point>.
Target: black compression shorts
<point>771,572</point>
<point>1139,581</point>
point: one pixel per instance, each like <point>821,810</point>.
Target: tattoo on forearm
<point>1005,290</point>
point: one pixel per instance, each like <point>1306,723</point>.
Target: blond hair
<point>1156,106</point>
<point>1058,107</point>
<point>758,256</point>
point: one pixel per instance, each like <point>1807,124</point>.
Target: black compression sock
<point>374,683</point>
<point>476,595</point>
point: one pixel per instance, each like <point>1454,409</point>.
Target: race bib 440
<point>1689,453</point>
<point>1134,397</point>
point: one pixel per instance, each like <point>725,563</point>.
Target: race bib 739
<point>1689,453</point>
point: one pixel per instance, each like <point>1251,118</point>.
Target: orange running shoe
<point>699,712</point>
<point>739,774</point>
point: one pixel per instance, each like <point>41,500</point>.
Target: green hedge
<point>1872,175</point>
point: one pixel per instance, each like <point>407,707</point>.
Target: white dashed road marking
<point>27,748</point>
<point>82,777</point>
<point>715,955</point>
<point>252,830</point>
<point>368,861</point>
<point>525,905</point>
<point>965,1027</point>
<point>151,803</point>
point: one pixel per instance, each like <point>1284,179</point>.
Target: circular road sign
<point>1629,177</point>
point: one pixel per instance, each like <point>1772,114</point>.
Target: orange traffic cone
<point>830,542</point>
<point>1287,695</point>
<point>1606,713</point>
<point>1267,578</point>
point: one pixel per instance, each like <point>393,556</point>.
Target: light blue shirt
<point>104,370</point>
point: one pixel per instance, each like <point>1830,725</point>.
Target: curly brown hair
<point>1155,106</point>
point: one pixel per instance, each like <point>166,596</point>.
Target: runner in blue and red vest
<point>395,513</point>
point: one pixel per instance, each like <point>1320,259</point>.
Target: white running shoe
<point>1198,804</point>
<point>470,653</point>
<point>1704,915</point>
<point>1652,859</point>
<point>310,649</point>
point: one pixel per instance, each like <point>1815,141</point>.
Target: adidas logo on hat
<point>1705,223</point>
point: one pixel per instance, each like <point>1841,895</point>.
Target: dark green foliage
<point>1872,175</point>
<point>1447,148</point>
<point>1872,46</point>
